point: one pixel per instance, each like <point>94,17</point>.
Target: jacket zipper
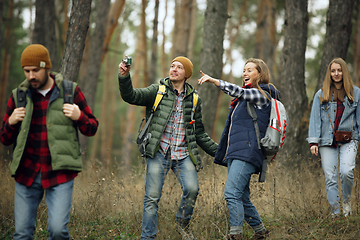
<point>231,121</point>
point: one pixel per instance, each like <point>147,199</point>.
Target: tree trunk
<point>96,52</point>
<point>75,40</point>
<point>44,30</point>
<point>104,116</point>
<point>211,57</point>
<point>65,23</point>
<point>112,21</point>
<point>85,60</point>
<point>357,48</point>
<point>164,62</point>
<point>140,63</point>
<point>233,32</point>
<point>265,41</point>
<point>6,59</point>
<point>292,87</point>
<point>154,45</point>
<point>31,6</point>
<point>90,81</point>
<point>1,24</point>
<point>337,37</point>
<point>181,32</point>
<point>111,71</point>
<point>143,48</point>
<point>192,30</point>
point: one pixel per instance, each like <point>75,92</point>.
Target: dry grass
<point>292,203</point>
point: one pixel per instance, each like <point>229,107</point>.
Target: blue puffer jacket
<point>238,140</point>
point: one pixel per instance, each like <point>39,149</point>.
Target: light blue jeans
<point>157,169</point>
<point>58,200</point>
<point>330,164</point>
<point>237,196</point>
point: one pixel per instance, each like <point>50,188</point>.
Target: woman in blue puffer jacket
<point>238,148</point>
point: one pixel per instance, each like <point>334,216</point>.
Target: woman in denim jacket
<point>335,108</point>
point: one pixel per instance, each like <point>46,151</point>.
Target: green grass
<point>292,204</point>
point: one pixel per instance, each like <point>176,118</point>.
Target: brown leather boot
<point>235,237</point>
<point>261,235</point>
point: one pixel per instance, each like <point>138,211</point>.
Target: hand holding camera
<point>127,60</point>
<point>125,65</point>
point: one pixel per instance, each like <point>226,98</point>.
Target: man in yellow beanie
<point>175,129</point>
<point>43,128</point>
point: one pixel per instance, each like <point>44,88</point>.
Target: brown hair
<point>264,72</point>
<point>347,81</point>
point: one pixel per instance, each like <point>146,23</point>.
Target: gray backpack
<point>275,133</point>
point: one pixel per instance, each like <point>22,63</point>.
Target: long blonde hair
<point>347,81</point>
<point>264,73</point>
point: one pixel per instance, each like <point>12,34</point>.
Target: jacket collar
<point>25,85</point>
<point>188,88</point>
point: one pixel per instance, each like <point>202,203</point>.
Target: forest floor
<point>107,204</point>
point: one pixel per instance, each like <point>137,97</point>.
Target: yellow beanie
<point>187,65</point>
<point>36,55</point>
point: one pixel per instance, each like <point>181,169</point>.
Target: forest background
<point>87,39</point>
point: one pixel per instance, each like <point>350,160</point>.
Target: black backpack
<point>67,92</point>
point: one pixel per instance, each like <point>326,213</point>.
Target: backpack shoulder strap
<point>253,115</point>
<point>161,92</point>
<point>195,101</point>
<point>142,132</point>
<point>19,97</point>
<point>68,91</point>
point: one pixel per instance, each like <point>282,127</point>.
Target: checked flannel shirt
<point>173,137</point>
<point>37,154</point>
<point>246,93</point>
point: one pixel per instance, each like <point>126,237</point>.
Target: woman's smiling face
<point>336,72</point>
<point>250,74</point>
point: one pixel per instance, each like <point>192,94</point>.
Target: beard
<point>42,81</point>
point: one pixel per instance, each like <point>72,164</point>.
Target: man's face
<point>177,71</point>
<point>37,77</point>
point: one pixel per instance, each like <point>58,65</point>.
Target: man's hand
<point>17,116</point>
<point>207,78</point>
<point>72,111</point>
<point>124,69</point>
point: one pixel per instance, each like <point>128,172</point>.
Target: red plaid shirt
<point>37,154</point>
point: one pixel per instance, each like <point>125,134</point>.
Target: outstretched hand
<point>207,78</point>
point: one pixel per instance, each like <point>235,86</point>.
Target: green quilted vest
<point>62,134</point>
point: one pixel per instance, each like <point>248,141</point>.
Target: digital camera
<point>127,60</point>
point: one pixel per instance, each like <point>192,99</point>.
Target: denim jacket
<point>321,130</point>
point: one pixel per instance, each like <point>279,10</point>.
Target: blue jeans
<point>58,200</point>
<point>157,169</point>
<point>329,161</point>
<point>237,195</point>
